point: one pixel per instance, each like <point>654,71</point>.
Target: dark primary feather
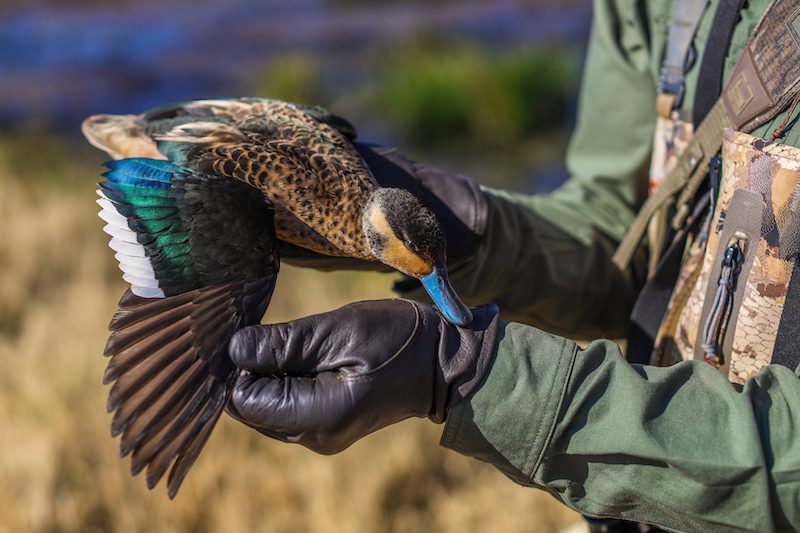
<point>211,242</point>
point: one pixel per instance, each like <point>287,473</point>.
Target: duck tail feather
<point>120,136</point>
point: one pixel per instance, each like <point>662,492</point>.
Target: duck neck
<point>358,240</point>
<point>375,228</point>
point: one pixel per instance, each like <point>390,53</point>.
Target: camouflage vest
<point>730,300</point>
<point>731,293</point>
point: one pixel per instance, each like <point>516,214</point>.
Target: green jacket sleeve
<point>545,260</point>
<point>678,447</point>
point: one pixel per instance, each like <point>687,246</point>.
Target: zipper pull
<point>717,321</point>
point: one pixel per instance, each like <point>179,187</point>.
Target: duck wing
<point>200,254</point>
<point>300,156</point>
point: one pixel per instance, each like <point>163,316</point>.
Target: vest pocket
<point>735,283</point>
<point>716,323</point>
<point>737,248</point>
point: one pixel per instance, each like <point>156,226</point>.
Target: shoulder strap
<point>763,82</point>
<point>686,15</point>
<point>709,83</point>
<point>650,308</point>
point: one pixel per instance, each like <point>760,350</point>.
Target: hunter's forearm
<point>678,447</point>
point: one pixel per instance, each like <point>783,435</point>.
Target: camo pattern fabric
<point>670,140</point>
<point>682,309</point>
<point>686,307</point>
<point>671,137</point>
<point>773,171</point>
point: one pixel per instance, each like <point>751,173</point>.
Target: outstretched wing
<point>200,254</point>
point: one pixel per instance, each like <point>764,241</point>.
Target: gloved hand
<point>456,200</point>
<point>327,380</point>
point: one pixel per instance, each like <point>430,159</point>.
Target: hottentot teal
<point>195,200</point>
<point>302,160</point>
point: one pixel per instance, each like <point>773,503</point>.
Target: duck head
<point>406,236</point>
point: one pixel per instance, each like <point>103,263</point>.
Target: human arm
<point>545,259</point>
<point>678,447</point>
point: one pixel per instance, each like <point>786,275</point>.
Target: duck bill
<point>445,298</point>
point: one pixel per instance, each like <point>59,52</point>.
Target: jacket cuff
<point>508,421</point>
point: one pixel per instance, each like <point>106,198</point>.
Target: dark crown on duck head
<point>402,233</point>
<point>405,235</point>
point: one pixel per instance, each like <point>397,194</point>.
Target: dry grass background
<point>59,468</point>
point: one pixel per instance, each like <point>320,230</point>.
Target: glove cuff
<point>464,358</point>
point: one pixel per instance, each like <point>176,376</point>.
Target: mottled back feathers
<point>300,157</point>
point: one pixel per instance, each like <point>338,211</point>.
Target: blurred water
<point>61,65</point>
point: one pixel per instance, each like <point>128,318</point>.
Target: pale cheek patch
<point>395,253</point>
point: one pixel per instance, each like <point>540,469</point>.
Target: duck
<point>196,199</point>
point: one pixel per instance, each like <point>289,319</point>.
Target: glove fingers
<point>325,342</point>
<point>273,349</point>
<point>313,412</point>
<point>277,407</point>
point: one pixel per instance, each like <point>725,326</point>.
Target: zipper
<point>714,182</point>
<point>717,322</point>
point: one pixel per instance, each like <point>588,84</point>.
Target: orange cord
<point>781,130</point>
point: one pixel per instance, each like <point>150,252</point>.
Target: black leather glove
<point>327,380</point>
<point>456,200</point>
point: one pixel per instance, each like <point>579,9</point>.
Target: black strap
<point>787,343</point>
<point>651,304</point>
<point>653,300</point>
<point>709,82</point>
